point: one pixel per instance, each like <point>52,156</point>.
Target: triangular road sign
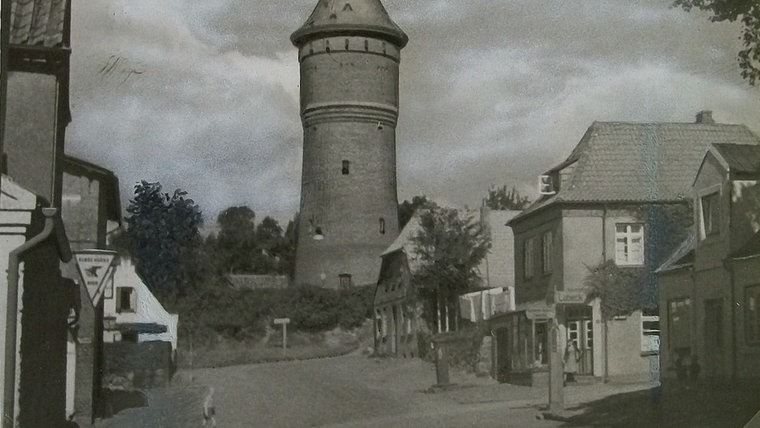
<point>94,266</point>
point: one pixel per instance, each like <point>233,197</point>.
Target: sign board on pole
<point>95,267</point>
<point>282,320</point>
<point>569,297</point>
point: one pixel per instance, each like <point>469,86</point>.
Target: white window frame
<point>650,337</point>
<point>547,248</point>
<point>709,214</point>
<point>627,256</point>
<point>528,256</point>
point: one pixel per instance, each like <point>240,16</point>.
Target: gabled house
<point>35,307</point>
<point>140,335</point>
<point>90,209</point>
<point>709,287</point>
<point>612,200</point>
<point>397,316</point>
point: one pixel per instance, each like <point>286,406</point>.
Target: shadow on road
<point>678,405</point>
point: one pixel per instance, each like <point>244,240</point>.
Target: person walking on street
<point>572,357</point>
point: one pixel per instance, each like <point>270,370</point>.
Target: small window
<point>528,258</point>
<point>345,167</point>
<point>710,214</point>
<point>382,226</point>
<point>629,244</point>
<point>547,248</point>
<point>347,43</point>
<point>752,314</point>
<point>124,299</point>
<point>344,280</point>
<point>546,185</point>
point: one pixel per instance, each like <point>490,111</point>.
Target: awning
<point>141,328</point>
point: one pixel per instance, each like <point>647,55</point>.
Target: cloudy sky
<point>203,95</point>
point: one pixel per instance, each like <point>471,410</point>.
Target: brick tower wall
<point>349,108</point>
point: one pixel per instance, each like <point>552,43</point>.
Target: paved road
<point>356,391</point>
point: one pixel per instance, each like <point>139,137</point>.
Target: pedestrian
<point>572,357</point>
<point>208,410</point>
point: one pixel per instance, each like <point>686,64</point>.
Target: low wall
<point>129,365</point>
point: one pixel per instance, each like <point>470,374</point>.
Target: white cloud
<point>204,95</point>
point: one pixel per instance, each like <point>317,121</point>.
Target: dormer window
<point>710,214</point>
<point>546,185</point>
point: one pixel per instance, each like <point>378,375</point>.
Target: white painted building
<point>132,312</point>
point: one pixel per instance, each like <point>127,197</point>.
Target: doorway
<point>714,337</point>
<point>580,328</point>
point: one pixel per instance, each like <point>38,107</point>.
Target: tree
<point>746,11</point>
<point>449,248</point>
<point>499,198</point>
<point>406,209</point>
<point>236,242</point>
<point>162,236</point>
<point>270,246</point>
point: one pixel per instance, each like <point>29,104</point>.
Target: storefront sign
<point>569,297</point>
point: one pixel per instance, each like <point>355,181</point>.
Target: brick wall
<point>349,108</point>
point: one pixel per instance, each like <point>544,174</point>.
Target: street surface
<point>356,391</point>
<point>348,391</point>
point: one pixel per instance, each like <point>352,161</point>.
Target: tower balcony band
<point>382,114</point>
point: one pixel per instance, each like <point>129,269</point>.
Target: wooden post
<point>556,375</point>
<point>284,322</point>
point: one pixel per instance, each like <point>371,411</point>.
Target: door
<point>714,353</point>
<point>502,354</point>
<point>580,328</point>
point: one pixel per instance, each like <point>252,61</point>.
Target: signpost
<point>284,322</point>
<point>95,268</point>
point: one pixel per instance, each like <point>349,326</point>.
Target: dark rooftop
<point>340,17</point>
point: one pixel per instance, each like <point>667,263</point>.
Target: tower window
<point>346,44</point>
<point>382,226</point>
<point>366,44</point>
<point>327,46</point>
<point>345,168</point>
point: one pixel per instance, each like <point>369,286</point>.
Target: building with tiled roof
<point>38,389</point>
<point>621,195</point>
<point>709,295</point>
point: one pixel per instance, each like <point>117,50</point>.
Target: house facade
<point>613,200</point>
<point>39,301</point>
<point>397,316</point>
<point>709,288</point>
<point>90,209</point>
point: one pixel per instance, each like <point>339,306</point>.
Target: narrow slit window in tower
<point>382,226</point>
<point>346,44</point>
<point>345,167</point>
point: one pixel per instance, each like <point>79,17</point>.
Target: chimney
<point>705,117</point>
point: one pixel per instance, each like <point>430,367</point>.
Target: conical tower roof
<point>341,17</point>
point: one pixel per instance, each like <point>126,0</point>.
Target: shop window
<point>629,244</point>
<point>547,248</point>
<point>650,331</point>
<point>752,314</point>
<point>710,221</point>
<point>679,323</point>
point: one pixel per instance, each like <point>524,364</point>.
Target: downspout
<point>605,373</point>
<point>14,262</point>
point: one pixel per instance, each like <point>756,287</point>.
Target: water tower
<point>349,53</point>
